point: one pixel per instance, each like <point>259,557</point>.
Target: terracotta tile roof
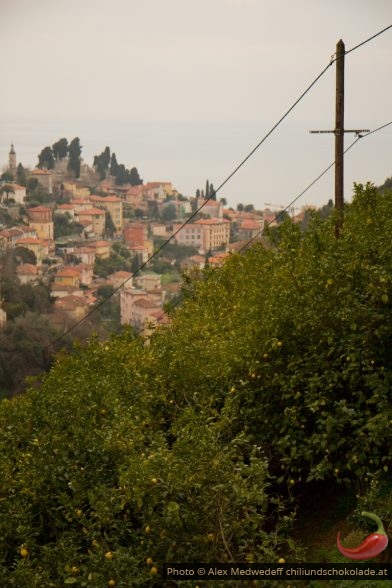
<point>120,275</point>
<point>144,303</point>
<point>39,209</point>
<point>27,269</point>
<point>135,190</point>
<point>101,243</point>
<point>40,172</point>
<point>13,232</point>
<point>70,302</point>
<point>105,199</point>
<point>84,250</point>
<point>18,186</point>
<point>65,288</point>
<point>91,211</point>
<point>30,241</point>
<point>79,201</point>
<point>212,221</point>
<point>67,272</point>
<point>250,225</point>
<point>27,229</point>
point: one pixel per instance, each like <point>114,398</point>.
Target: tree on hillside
<point>65,226</point>
<point>134,178</point>
<point>169,212</point>
<point>6,189</point>
<point>46,159</point>
<point>24,351</point>
<point>113,165</point>
<point>207,192</point>
<point>7,176</point>
<point>37,194</point>
<point>110,227</point>
<point>60,148</point>
<point>122,176</point>
<point>387,185</point>
<point>74,151</point>
<point>102,162</point>
<point>24,255</point>
<point>212,192</point>
<point>21,177</point>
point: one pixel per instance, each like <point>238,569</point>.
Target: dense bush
<point>274,372</point>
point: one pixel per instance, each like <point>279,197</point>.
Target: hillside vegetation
<point>273,377</point>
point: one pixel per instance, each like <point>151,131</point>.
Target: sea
<point>185,153</point>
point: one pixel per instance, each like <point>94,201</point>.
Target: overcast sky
<point>184,89</point>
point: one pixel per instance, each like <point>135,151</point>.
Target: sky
<point>185,89</point>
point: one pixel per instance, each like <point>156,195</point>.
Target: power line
<point>311,184</point>
<point>188,220</point>
<point>369,39</point>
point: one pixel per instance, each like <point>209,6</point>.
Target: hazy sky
<point>184,89</point>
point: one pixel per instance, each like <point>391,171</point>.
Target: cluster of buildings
<point>68,265</point>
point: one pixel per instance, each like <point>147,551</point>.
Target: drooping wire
<point>246,245</point>
<point>369,39</point>
<point>211,196</point>
<point>188,220</point>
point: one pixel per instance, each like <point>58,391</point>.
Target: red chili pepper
<point>371,546</point>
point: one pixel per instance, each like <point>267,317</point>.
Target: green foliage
<point>101,163</point>
<point>122,176</point>
<point>134,178</point>
<point>74,151</point>
<point>7,176</point>
<point>24,255</point>
<point>387,185</point>
<point>60,148</point>
<point>99,471</point>
<point>105,163</point>
<point>64,226</point>
<point>174,252</point>
<point>169,212</point>
<point>117,261</point>
<point>21,178</point>
<point>274,373</point>
<point>110,227</point>
<point>6,189</point>
<point>46,159</point>
<point>113,165</point>
<point>36,193</point>
<point>24,351</point>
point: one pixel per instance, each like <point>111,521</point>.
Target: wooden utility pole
<point>339,136</point>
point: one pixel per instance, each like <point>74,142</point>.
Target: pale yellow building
<point>96,216</point>
<point>41,219</point>
<point>37,246</point>
<point>113,205</point>
<point>76,189</point>
<point>44,177</point>
<point>216,232</point>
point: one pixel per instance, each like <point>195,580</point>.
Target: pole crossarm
<point>338,131</point>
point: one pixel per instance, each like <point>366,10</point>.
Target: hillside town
<point>70,233</point>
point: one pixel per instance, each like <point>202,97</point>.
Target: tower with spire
<point>12,161</point>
